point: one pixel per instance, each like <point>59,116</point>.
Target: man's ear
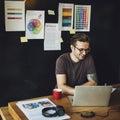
<point>72,47</point>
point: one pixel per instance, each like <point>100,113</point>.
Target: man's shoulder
<point>64,57</point>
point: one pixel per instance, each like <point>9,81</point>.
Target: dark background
<point>27,71</point>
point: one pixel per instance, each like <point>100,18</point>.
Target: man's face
<point>80,50</point>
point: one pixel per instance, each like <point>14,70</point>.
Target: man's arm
<point>90,83</point>
<point>92,79</point>
<point>61,83</point>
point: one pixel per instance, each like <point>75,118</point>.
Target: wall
<point>27,71</point>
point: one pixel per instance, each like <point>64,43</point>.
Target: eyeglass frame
<point>83,50</point>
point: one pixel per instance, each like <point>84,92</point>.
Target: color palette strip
<point>66,17</point>
<point>14,13</point>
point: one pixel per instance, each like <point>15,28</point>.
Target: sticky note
<point>51,12</point>
<point>23,39</point>
<point>72,31</point>
<point>60,40</point>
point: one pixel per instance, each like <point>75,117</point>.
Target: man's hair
<point>82,37</point>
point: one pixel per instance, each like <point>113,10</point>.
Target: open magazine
<point>33,109</point>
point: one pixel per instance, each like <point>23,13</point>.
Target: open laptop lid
<point>91,96</point>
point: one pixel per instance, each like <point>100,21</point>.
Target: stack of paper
<point>33,109</point>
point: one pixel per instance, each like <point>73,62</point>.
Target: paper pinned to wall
<point>52,34</point>
<point>14,16</point>
<point>65,19</point>
<point>35,24</point>
<point>82,17</point>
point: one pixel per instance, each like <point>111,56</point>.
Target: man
<point>76,67</point>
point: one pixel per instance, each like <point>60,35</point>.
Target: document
<point>35,24</point>
<point>52,36</point>
<point>33,109</point>
<point>82,17</point>
<point>14,15</point>
<point>65,14</point>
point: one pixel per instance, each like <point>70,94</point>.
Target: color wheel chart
<point>82,17</point>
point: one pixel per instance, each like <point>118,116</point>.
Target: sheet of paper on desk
<point>33,109</point>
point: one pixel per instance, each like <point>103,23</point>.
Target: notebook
<point>91,96</point>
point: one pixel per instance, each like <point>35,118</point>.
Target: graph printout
<point>82,17</point>
<point>65,16</point>
<point>15,15</point>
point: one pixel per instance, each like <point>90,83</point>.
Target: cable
<point>88,114</point>
<point>108,112</point>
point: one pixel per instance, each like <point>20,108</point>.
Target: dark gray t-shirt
<point>76,73</point>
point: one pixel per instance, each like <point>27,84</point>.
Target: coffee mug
<point>57,93</point>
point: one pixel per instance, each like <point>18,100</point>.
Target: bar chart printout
<point>65,16</point>
<point>14,16</point>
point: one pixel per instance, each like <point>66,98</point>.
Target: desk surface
<point>74,112</point>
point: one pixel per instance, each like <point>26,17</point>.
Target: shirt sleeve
<point>60,66</point>
<point>92,77</point>
<point>91,66</point>
<point>91,72</point>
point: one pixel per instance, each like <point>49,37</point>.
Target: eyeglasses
<point>83,50</point>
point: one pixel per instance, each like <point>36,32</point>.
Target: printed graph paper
<point>82,17</point>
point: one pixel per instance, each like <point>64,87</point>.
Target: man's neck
<point>74,59</point>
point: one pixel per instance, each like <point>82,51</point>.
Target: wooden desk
<point>74,112</point>
<point>5,115</point>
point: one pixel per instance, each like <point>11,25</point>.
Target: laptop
<point>91,96</point>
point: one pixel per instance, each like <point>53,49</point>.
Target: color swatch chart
<point>82,18</point>
<point>66,17</point>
